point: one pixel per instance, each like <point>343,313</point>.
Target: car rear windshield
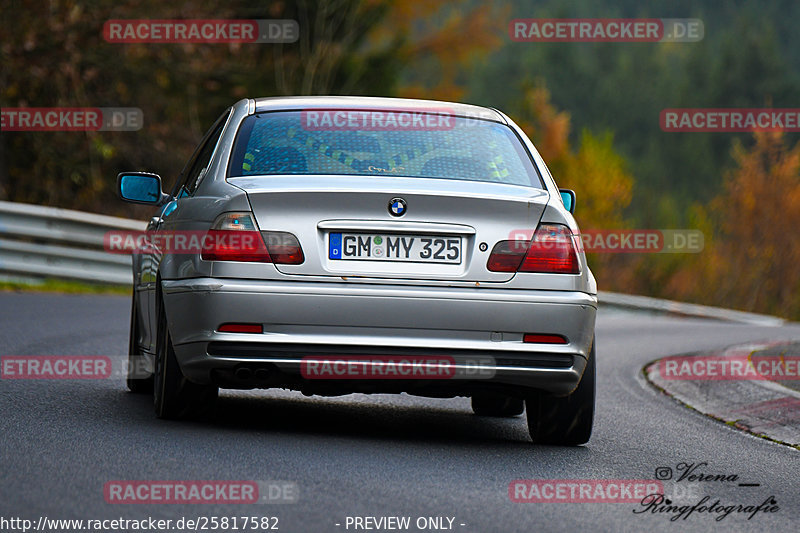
<point>381,143</point>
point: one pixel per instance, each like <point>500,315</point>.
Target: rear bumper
<point>479,329</point>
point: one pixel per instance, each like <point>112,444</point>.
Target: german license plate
<point>400,248</point>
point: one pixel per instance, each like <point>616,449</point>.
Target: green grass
<point>63,286</point>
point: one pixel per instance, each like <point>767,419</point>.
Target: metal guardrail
<point>669,307</point>
<point>38,241</point>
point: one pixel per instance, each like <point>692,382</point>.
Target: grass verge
<point>63,286</point>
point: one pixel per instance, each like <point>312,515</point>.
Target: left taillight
<point>235,237</point>
<point>551,251</point>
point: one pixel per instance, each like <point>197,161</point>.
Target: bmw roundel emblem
<point>397,207</point>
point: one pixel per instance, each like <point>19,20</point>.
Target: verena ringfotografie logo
<point>585,30</point>
<point>622,241</point>
<point>730,120</point>
<point>71,119</point>
<point>201,31</point>
<point>200,492</point>
<point>55,367</point>
<point>731,368</point>
<point>648,494</point>
<point>582,490</point>
<point>683,496</point>
<point>371,120</point>
<point>395,367</point>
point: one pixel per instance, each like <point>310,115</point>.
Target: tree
<point>751,261</point>
<point>58,58</point>
<point>595,171</point>
<point>759,215</point>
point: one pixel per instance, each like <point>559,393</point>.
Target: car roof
<point>293,103</point>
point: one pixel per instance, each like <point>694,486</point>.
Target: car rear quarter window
<point>198,164</point>
<point>444,147</point>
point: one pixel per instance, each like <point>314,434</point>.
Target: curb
<point>765,409</point>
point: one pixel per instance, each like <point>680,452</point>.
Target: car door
<point>191,176</point>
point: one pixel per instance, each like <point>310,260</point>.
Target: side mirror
<point>568,197</point>
<point>140,188</point>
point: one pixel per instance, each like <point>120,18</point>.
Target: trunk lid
<point>355,213</point>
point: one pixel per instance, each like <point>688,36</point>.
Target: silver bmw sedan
<point>337,245</point>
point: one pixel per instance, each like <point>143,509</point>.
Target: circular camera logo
<point>663,473</point>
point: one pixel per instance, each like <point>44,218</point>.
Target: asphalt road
<point>61,441</point>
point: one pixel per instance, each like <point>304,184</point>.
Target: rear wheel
<point>137,382</point>
<point>565,421</point>
<point>175,396</point>
<point>496,405</point>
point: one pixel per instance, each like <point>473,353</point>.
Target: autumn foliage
<point>752,250</point>
<point>594,170</point>
<point>444,39</point>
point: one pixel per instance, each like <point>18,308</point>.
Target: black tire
<point>496,405</point>
<point>136,383</point>
<point>565,421</point>
<point>176,397</point>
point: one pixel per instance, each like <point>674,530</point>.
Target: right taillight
<point>551,250</point>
